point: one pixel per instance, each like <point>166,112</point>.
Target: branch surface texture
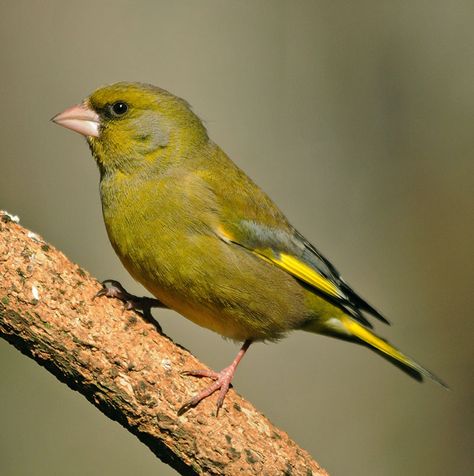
<point>123,366</point>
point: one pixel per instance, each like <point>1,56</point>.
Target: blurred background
<point>357,118</point>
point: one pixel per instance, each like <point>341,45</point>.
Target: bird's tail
<point>356,332</point>
<point>386,350</point>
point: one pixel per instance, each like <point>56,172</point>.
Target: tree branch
<point>124,367</point>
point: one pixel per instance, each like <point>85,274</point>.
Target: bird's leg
<point>113,289</point>
<point>222,381</point>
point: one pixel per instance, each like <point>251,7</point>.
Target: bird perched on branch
<point>203,238</point>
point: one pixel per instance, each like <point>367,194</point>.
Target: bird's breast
<point>164,236</point>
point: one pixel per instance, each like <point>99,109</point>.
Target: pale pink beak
<point>79,118</point>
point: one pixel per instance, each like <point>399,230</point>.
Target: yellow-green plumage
<point>191,227</point>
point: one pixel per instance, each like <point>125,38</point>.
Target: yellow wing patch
<point>291,265</point>
<point>224,234</point>
<point>301,271</point>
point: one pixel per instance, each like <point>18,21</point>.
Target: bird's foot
<point>113,289</point>
<point>222,382</point>
<point>221,379</point>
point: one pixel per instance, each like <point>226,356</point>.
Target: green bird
<point>203,238</point>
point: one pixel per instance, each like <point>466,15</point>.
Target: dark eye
<point>119,108</point>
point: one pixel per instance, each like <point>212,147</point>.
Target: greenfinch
<point>203,238</point>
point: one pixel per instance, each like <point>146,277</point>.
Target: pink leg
<point>222,381</point>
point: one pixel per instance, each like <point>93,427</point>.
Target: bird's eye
<point>119,108</point>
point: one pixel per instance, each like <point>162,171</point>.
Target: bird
<point>191,227</point>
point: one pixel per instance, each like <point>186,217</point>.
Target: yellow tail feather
<point>384,348</point>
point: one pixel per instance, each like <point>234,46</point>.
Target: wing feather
<point>291,252</point>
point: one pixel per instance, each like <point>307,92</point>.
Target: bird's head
<point>127,123</point>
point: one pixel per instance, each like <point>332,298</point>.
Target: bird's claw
<point>113,289</point>
<point>222,382</point>
<point>201,373</point>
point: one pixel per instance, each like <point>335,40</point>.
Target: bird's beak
<point>79,118</point>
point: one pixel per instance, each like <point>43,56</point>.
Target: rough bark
<point>124,367</point>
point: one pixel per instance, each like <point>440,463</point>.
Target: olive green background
<point>357,118</point>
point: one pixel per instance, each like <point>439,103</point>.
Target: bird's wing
<point>289,250</point>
